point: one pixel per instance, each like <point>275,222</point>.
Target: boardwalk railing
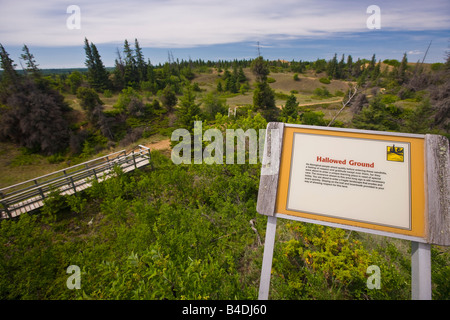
<point>30,195</point>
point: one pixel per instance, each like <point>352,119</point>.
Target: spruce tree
<point>98,77</point>
<point>9,76</point>
<point>341,69</point>
<point>241,75</point>
<point>119,72</point>
<point>263,95</point>
<point>130,74</point>
<point>372,63</point>
<point>332,67</point>
<point>260,69</point>
<point>168,98</point>
<point>291,108</point>
<point>32,66</point>
<point>140,62</point>
<point>349,67</point>
<point>264,100</point>
<point>188,109</point>
<point>402,69</point>
<point>89,62</point>
<point>219,86</point>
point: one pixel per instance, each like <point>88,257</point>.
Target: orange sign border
<point>417,168</point>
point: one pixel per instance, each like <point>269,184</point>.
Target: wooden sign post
<point>391,184</point>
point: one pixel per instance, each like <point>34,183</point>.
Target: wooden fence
<point>30,195</point>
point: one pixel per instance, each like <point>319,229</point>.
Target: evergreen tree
<point>98,77</point>
<point>9,76</point>
<point>151,78</point>
<point>263,95</point>
<point>372,63</point>
<point>140,62</point>
<point>130,74</point>
<point>119,72</point>
<point>230,84</point>
<point>32,66</point>
<point>213,105</point>
<point>89,62</point>
<point>188,110</point>
<point>168,98</point>
<point>349,66</point>
<point>340,72</point>
<point>219,86</point>
<point>320,65</point>
<point>332,67</point>
<point>260,69</point>
<point>264,100</point>
<point>357,70</point>
<point>241,75</point>
<point>290,109</point>
<point>402,69</point>
<point>376,71</point>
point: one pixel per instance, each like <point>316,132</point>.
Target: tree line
<point>34,114</point>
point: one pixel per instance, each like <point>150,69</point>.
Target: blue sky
<point>212,30</point>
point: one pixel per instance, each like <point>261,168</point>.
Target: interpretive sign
<point>362,180</point>
<point>391,184</point>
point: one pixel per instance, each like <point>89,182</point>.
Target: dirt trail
<point>160,145</point>
<point>319,102</point>
<point>315,103</point>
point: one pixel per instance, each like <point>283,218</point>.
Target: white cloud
<point>184,23</point>
<point>413,52</point>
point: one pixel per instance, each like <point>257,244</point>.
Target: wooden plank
<point>270,169</point>
<point>438,189</point>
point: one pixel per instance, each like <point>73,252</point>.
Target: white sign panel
<point>356,179</point>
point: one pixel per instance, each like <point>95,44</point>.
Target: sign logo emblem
<point>395,153</point>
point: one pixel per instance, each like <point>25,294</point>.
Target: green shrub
<point>77,203</point>
<point>54,203</point>
<point>323,263</point>
<point>325,80</point>
<point>107,93</point>
<point>322,93</point>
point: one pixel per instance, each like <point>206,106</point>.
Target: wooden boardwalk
<point>30,195</point>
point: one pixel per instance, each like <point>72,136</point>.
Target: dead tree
<point>351,94</point>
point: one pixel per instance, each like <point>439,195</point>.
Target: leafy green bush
<point>313,118</point>
<point>389,98</point>
<point>107,93</point>
<point>323,263</point>
<point>53,204</point>
<point>320,93</point>
<point>325,80</point>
